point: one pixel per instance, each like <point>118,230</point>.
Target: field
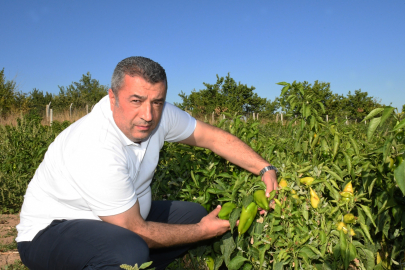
<point>341,205</point>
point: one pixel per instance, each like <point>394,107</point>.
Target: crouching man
<point>89,204</point>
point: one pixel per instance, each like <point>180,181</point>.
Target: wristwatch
<point>268,168</point>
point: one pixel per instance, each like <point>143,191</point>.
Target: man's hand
<point>213,226</point>
<point>270,179</point>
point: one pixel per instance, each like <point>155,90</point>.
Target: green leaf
<point>366,231</point>
<point>233,217</point>
<point>247,200</point>
<point>284,90</point>
<point>306,251</point>
<point>218,262</point>
<point>283,83</point>
<point>352,252</point>
<point>335,144</point>
<point>278,266</point>
<point>369,263</point>
<point>227,246</point>
<point>247,266</point>
<point>399,125</point>
<point>372,127</point>
<point>236,262</point>
<point>322,106</point>
<point>342,244</point>
<point>225,175</point>
<point>367,210</point>
<point>348,162</point>
<point>316,251</point>
<point>373,113</point>
<point>145,265</point>
<point>387,112</point>
<point>305,210</point>
<point>354,144</point>
<point>399,175</point>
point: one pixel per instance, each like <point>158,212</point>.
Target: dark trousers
<point>91,244</point>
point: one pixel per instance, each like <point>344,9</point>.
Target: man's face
<point>138,107</point>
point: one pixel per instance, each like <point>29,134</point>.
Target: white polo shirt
<point>92,169</point>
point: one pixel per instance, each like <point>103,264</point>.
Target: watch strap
<point>268,168</point>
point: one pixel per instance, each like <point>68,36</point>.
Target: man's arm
<point>232,149</point>
<point>157,235</point>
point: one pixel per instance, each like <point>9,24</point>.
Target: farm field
<point>341,204</point>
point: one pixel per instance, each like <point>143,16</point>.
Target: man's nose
<point>147,114</point>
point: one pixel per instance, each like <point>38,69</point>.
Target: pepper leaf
<point>233,217</point>
<point>247,200</point>
<point>399,174</point>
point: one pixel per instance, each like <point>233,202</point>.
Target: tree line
<point>224,96</point>
<point>86,91</point>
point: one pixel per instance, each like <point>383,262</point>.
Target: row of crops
<point>341,204</point>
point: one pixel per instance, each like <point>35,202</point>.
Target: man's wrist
<point>268,168</point>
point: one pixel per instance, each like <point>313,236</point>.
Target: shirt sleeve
<point>178,124</point>
<point>102,179</point>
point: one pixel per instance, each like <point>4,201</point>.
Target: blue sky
<point>352,44</point>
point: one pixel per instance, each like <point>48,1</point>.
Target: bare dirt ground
<point>8,246</point>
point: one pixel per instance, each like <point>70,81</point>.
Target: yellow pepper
<point>307,180</point>
<point>348,188</point>
<point>283,183</point>
<point>314,198</point>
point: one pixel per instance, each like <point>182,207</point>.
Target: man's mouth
<point>143,127</point>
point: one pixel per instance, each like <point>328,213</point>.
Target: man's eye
<point>136,100</point>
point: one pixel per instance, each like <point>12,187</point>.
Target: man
<point>89,203</point>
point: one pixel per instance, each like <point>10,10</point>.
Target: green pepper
<point>261,199</point>
<point>226,210</point>
<point>246,217</point>
<point>349,218</point>
<point>346,194</point>
<point>210,262</point>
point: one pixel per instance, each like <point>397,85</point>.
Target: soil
<point>8,248</point>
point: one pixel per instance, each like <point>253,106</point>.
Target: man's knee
<point>196,211</point>
<point>131,250</point>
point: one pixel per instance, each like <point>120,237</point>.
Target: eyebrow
<point>144,97</point>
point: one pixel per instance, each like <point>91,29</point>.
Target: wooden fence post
<point>213,119</point>
<point>282,119</point>
<point>87,108</point>
<point>257,116</point>
<point>70,110</point>
<point>295,120</point>
<point>47,112</point>
<point>51,116</point>
<point>277,118</point>
<point>253,116</point>
<point>327,119</point>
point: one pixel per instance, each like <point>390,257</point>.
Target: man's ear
<point>112,97</point>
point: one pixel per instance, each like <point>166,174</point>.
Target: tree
<point>359,105</point>
<point>270,108</point>
<point>224,96</point>
<point>318,96</point>
<point>87,91</point>
<point>7,95</point>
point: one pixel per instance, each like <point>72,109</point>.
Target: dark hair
<point>140,66</point>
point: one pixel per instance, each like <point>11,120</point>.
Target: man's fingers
<point>216,211</point>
